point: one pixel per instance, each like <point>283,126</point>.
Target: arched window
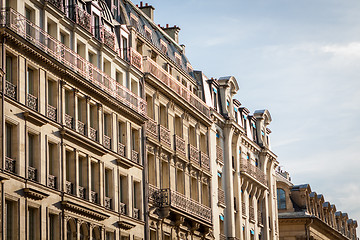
<point>281,198</point>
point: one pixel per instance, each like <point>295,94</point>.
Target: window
<point>109,235</point>
<point>33,224</point>
<point>163,46</point>
<point>95,179</point>
<point>97,26</point>
<point>32,156</point>
<point>123,189</point>
<point>52,100</point>
<point>194,189</point>
<point>151,169</point>
<point>148,32</point>
<point>137,199</point>
<point>180,181</point>
<point>10,220</point>
<point>10,67</point>
<point>281,198</point>
<point>53,164</point>
<point>177,59</point>
<point>82,176</point>
<point>32,100</point>
<point>53,227</point>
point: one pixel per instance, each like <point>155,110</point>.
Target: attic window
<point>134,20</point>
<point>189,67</point>
<point>163,46</point>
<point>177,58</point>
<point>183,82</point>
<point>148,32</point>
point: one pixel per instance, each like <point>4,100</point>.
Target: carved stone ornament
<point>164,157</point>
<point>150,149</point>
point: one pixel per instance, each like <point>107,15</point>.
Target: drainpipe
<point>3,130</point>
<point>307,229</point>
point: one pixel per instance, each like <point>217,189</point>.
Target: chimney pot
<point>146,4</point>
<point>141,4</point>
<point>167,25</point>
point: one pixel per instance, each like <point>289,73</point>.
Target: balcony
<point>219,155</point>
<point>81,127</point>
<point>251,214</point>
<point>57,3</point>
<point>93,197</point>
<point>122,209</point>
<point>68,187</point>
<point>153,68</point>
<point>32,102</point>
<point>152,128</point>
<point>108,38</point>
<point>136,213</point>
<point>152,192</point>
<point>164,136</point>
<point>121,149</point>
<point>194,155</point>
<point>253,171</point>
<point>243,209</point>
<point>107,142</point>
<point>260,218</point>
<point>32,173</point>
<point>136,59</point>
<point>80,17</point>
<point>69,121</point>
<point>52,181</point>
<point>51,112</point>
<point>221,197</point>
<point>10,90</point>
<point>205,161</point>
<point>107,203</point>
<point>179,144</point>
<point>93,134</point>
<point>166,198</point>
<point>70,59</point>
<point>134,156</point>
<point>82,192</point>
<point>10,164</point>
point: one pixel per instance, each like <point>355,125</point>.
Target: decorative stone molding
<point>34,194</point>
<point>77,208</point>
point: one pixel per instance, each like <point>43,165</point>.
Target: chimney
<point>173,32</point>
<point>148,10</point>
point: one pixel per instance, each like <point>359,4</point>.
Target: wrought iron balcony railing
<point>251,214</point>
<point>10,90</point>
<point>82,192</point>
<point>152,67</point>
<point>152,128</point>
<point>57,3</point>
<point>81,127</point>
<point>243,209</point>
<point>221,197</point>
<point>134,156</point>
<point>68,187</point>
<point>10,164</point>
<point>255,172</point>
<point>121,149</point>
<point>219,155</point>
<point>164,136</point>
<point>52,181</point>
<point>108,37</point>
<point>194,155</point>
<point>260,218</point>
<point>205,161</point>
<point>179,144</point>
<point>79,16</point>
<point>176,200</point>
<point>32,102</point>
<point>69,121</point>
<point>107,202</point>
<point>32,173</point>
<point>152,192</point>
<point>52,112</point>
<point>122,209</point>
<point>93,197</point>
<point>136,59</point>
<point>73,61</point>
<point>93,134</point>
<point>107,142</point>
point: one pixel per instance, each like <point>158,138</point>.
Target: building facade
<point>107,132</point>
<point>304,214</point>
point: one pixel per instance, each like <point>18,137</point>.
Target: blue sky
<point>300,60</point>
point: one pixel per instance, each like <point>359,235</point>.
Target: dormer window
<point>177,58</point>
<point>148,33</point>
<point>189,68</point>
<point>134,20</point>
<point>163,46</point>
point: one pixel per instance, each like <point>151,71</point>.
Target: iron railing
<point>52,181</point>
<point>152,128</point>
<point>52,112</point>
<point>68,187</point>
<point>252,170</point>
<point>179,144</point>
<point>136,213</point>
<point>219,155</point>
<point>136,59</point>
<point>80,16</point>
<point>243,208</point>
<point>221,197</point>
<point>122,209</point>
<point>121,149</point>
<point>61,53</point>
<point>32,102</point>
<point>134,156</point>
<point>82,192</point>
<point>10,164</point>
<point>164,135</point>
<point>174,199</point>
<point>152,67</point>
<point>81,127</point>
<point>107,142</point>
<point>107,202</point>
<point>69,121</point>
<point>93,134</point>
<point>93,197</point>
<point>194,154</point>
<point>57,3</point>
<point>205,161</point>
<point>251,214</point>
<point>32,173</point>
<point>10,90</point>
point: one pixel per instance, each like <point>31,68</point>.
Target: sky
<point>301,61</point>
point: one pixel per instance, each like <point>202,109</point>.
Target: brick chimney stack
<point>148,10</point>
<point>173,32</point>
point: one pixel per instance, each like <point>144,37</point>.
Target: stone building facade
<point>304,214</point>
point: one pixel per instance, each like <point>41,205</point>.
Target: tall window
<point>96,26</point>
<point>281,198</point>
<point>10,220</point>
<point>9,68</point>
<point>33,224</point>
<point>9,141</point>
<point>53,227</point>
<point>30,81</point>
